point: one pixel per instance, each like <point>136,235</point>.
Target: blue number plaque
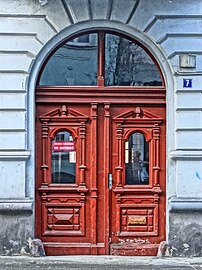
<point>187,83</point>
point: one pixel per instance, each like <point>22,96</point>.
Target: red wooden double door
<point>113,199</point>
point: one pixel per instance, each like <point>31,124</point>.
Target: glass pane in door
<point>63,158</point>
<point>137,160</point>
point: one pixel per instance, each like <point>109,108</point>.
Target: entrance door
<point>100,168</point>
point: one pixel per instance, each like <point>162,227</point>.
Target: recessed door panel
<point>138,169</point>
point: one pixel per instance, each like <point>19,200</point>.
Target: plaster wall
<point>28,32</point>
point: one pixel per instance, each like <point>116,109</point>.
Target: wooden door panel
<point>75,217</point>
<point>138,210</point>
<point>65,210</point>
<point>63,215</point>
<point>88,217</point>
<point>138,216</point>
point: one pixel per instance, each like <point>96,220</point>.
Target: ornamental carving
<point>43,2</point>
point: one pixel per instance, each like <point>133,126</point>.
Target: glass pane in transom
<point>127,64</point>
<point>75,63</point>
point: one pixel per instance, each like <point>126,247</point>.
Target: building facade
<point>66,80</point>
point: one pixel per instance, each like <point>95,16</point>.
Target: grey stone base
<point>185,234</point>
<point>185,227</point>
<point>16,226</point>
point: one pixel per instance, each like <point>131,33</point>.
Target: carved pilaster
<point>82,166</point>
<point>156,164</point>
<point>93,176</point>
<point>44,165</point>
<point>119,168</point>
<point>107,169</point>
<point>94,145</point>
<point>118,213</point>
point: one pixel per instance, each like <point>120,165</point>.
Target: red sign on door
<point>63,146</point>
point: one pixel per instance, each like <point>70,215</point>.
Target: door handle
<point>110,180</point>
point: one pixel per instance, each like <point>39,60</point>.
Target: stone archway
<point>77,29</point>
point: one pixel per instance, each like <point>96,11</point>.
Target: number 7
<point>187,82</point>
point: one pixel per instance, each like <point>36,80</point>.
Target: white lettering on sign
<point>63,146</point>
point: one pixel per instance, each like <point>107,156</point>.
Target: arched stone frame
<point>121,28</point>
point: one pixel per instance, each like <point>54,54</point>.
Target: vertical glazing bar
<point>101,58</point>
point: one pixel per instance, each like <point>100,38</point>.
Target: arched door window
<point>101,58</point>
<point>137,160</point>
<point>63,158</point>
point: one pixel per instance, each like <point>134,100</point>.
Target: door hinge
<point>110,181</point>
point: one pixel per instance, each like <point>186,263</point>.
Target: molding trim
<point>185,205</point>
<point>23,205</point>
<point>188,73</point>
<point>185,155</point>
<point>14,155</point>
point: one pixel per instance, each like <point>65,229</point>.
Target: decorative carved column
<point>156,164</point>
<point>118,212</point>
<point>44,166</point>
<point>119,168</point>
<point>82,166</point>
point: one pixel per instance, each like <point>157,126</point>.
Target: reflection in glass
<point>137,160</point>
<point>128,64</point>
<point>63,158</point>
<point>75,63</point>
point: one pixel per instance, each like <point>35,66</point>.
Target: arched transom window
<point>101,59</point>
